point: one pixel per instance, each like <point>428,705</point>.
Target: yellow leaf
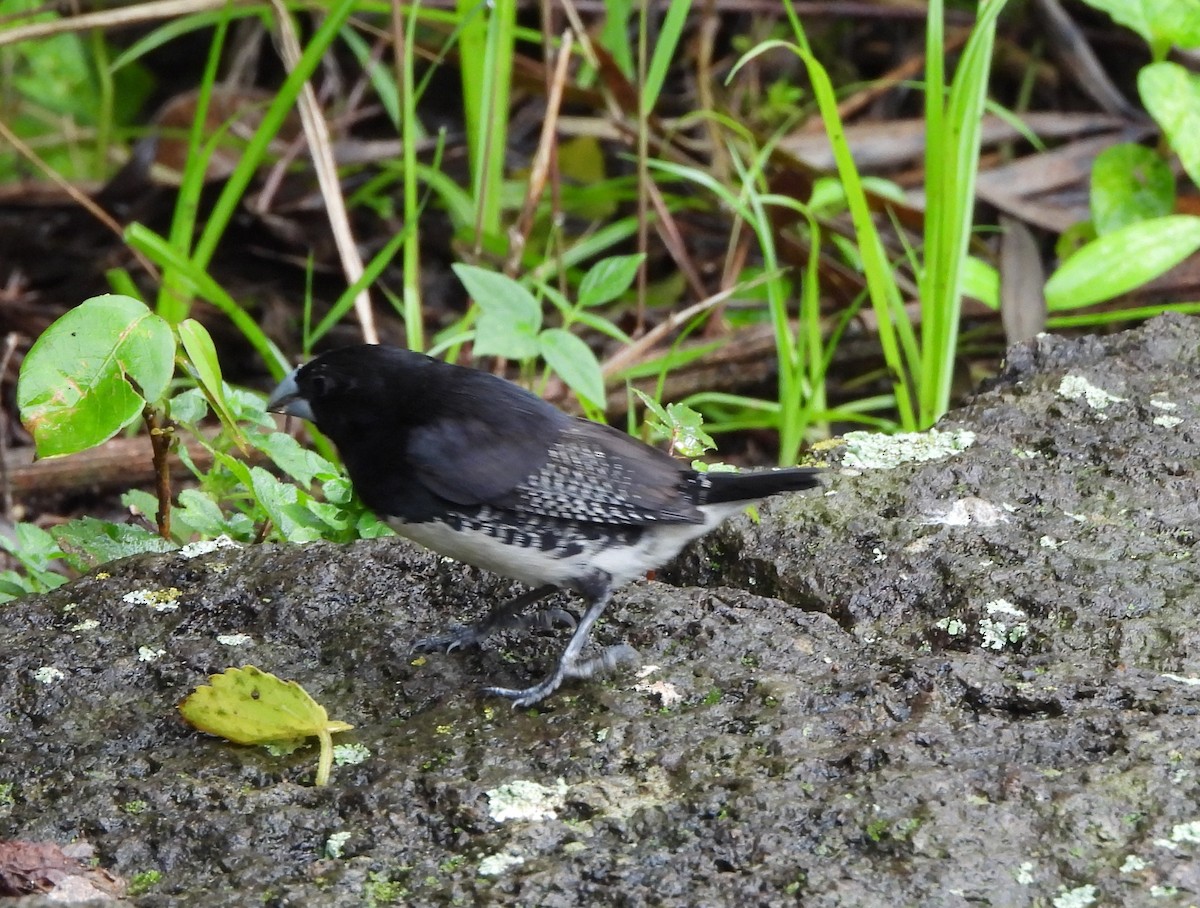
<point>250,706</point>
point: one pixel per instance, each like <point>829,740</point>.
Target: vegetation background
<point>764,221</point>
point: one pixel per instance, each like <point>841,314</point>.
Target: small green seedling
<point>249,706</point>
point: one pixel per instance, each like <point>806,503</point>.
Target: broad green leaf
<point>1118,262</point>
<point>1162,23</point>
<point>1172,95</point>
<point>281,501</point>
<point>509,316</point>
<point>574,362</point>
<point>141,502</point>
<point>981,281</point>
<point>201,513</point>
<point>608,279</point>
<point>202,354</point>
<point>300,463</point>
<point>58,77</point>
<point>92,372</point>
<point>1130,183</point>
<point>34,548</point>
<point>189,407</point>
<point>90,542</point>
<point>249,706</point>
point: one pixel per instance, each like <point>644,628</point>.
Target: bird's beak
<point>286,399</point>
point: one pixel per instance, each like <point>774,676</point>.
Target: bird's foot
<point>465,636</point>
<point>506,617</point>
<point>606,661</point>
<point>456,636</point>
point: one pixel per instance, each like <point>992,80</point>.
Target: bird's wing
<point>543,462</point>
<point>595,474</point>
<point>477,456</point>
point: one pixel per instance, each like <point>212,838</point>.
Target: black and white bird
<point>479,469</point>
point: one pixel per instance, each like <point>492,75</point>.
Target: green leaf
<point>688,438</point>
<point>281,501</point>
<point>141,503</point>
<point>1172,95</point>
<point>202,355</point>
<point>574,362</point>
<point>1118,262</point>
<point>92,542</point>
<point>981,281</point>
<point>298,462</point>
<point>509,316</point>
<point>92,372</point>
<point>1130,183</point>
<point>249,706</point>
<point>661,417</point>
<point>608,279</point>
<point>679,423</point>
<point>189,407</point>
<point>1162,23</point>
<point>198,511</point>
<point>36,550</point>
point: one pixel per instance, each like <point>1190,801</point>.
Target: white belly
<point>524,560</point>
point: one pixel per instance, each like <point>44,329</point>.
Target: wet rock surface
<point>971,680</point>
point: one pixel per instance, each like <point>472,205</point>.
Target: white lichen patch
<point>335,845</point>
<point>667,693</point>
<point>234,639</point>
<point>496,864</point>
<point>1079,897</point>
<point>522,799</point>
<point>874,451</point>
<point>48,674</point>
<point>149,654</point>
<point>967,511</point>
<point>1004,607</point>
<point>952,626</point>
<point>1186,833</point>
<point>1133,864</point>
<point>1049,542</point>
<point>159,600</point>
<point>208,546</point>
<point>1167,422</point>
<point>1024,874</point>
<point>1076,387</point>
<point>87,624</point>
<point>1164,404</point>
<point>1003,625</point>
<point>350,754</point>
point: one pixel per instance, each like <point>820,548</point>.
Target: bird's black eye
<point>320,383</point>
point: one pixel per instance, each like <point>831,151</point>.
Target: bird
<point>479,469</point>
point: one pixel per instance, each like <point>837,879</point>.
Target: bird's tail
<point>752,486</point>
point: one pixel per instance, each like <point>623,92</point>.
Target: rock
<point>968,680</point>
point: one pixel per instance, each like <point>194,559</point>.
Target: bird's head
<point>349,389</point>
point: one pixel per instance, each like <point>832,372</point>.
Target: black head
<point>345,389</point>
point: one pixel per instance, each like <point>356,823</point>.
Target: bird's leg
<point>571,664</point>
<point>504,617</point>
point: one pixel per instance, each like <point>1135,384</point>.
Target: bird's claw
<point>605,661</point>
<point>457,636</point>
<point>464,636</point>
